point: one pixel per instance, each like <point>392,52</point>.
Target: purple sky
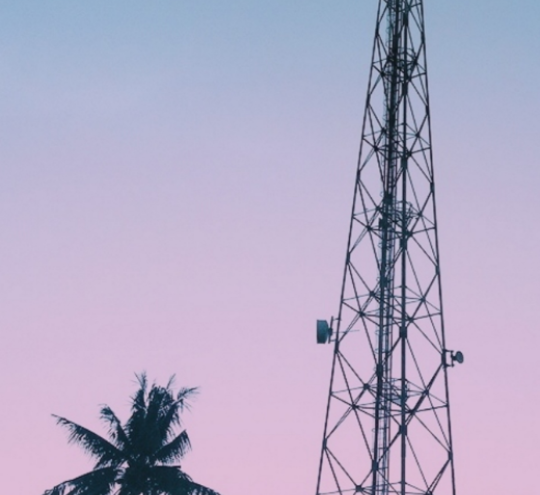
<point>175,185</point>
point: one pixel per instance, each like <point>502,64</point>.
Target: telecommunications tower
<point>387,428</point>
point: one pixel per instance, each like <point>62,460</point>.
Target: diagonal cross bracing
<point>387,428</point>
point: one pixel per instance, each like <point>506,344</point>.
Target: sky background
<point>175,188</point>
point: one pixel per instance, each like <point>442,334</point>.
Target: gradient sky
<point>175,184</point>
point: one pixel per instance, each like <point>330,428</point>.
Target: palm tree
<point>139,457</point>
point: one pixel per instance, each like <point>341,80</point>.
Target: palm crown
<point>140,455</point>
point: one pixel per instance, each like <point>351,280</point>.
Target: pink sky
<point>175,188</point>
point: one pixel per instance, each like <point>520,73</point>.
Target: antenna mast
<point>387,428</point>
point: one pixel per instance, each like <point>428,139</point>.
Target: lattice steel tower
<point>387,428</point>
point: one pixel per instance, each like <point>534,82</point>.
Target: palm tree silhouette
<point>140,455</point>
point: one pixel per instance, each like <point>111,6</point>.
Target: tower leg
<point>387,427</point>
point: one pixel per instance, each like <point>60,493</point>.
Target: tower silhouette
<point>387,428</point>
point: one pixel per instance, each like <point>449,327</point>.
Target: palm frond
<point>151,438</point>
<point>160,399</point>
<point>163,414</point>
<point>138,401</point>
<point>136,480</point>
<point>116,430</point>
<point>174,450</point>
<point>170,417</point>
<point>106,453</point>
<point>135,425</point>
<point>171,381</point>
<point>142,379</point>
<point>183,396</point>
<point>196,489</point>
<point>171,480</point>
<point>129,490</point>
<point>57,490</point>
<point>97,482</point>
